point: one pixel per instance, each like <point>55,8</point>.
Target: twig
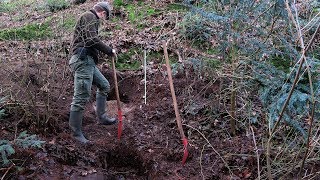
<point>257,152</point>
<point>201,169</point>
<point>312,111</point>
<point>301,60</point>
<point>314,18</point>
<point>204,137</point>
<point>4,175</point>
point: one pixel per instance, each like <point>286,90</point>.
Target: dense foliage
<point>257,34</point>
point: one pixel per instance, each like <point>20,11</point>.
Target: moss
<point>137,14</point>
<point>156,28</point>
<point>212,51</point>
<point>155,56</point>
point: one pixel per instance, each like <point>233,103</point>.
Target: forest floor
<point>150,146</point>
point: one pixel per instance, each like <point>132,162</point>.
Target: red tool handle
<point>118,99</point>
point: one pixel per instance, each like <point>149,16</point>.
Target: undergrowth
<point>28,32</point>
<point>24,140</point>
<point>260,43</point>
<point>57,5</point>
<point>12,5</point>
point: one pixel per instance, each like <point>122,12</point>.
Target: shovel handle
<point>116,84</point>
<point>174,98</point>
<point>175,104</point>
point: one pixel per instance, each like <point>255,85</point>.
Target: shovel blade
<point>185,151</point>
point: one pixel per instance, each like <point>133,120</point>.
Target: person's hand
<point>114,53</point>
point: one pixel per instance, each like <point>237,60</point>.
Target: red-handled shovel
<point>118,99</point>
<point>178,118</point>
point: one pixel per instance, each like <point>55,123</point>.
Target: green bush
<point>24,140</point>
<point>195,29</point>
<point>27,32</point>
<point>57,5</point>
<point>11,5</point>
<point>6,150</point>
<point>126,61</point>
<point>118,3</point>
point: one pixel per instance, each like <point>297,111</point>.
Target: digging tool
<point>178,118</point>
<point>118,99</point>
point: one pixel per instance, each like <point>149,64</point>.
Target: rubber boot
<point>101,111</point>
<point>75,123</point>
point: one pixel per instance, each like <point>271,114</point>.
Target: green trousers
<point>86,74</point>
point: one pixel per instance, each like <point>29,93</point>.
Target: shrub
<point>24,140</point>
<point>57,5</point>
<point>194,28</point>
<point>275,86</point>
<point>27,32</point>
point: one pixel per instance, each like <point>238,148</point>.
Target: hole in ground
<point>124,158</point>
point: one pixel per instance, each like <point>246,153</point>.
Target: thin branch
<point>257,152</point>
<point>201,168</point>
<point>4,175</point>
<point>312,111</point>
<point>204,137</point>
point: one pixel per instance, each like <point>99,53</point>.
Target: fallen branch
<point>4,175</point>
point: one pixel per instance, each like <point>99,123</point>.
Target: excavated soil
<point>150,146</point>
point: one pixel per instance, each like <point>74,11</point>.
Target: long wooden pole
<point>176,110</point>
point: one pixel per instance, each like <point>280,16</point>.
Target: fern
<point>24,140</point>
<point>6,150</point>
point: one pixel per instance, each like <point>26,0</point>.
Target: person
<point>85,47</point>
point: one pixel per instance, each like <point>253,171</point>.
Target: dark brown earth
<point>150,146</point>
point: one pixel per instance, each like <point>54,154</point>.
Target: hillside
<point>225,97</point>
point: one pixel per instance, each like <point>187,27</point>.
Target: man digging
<point>84,49</point>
